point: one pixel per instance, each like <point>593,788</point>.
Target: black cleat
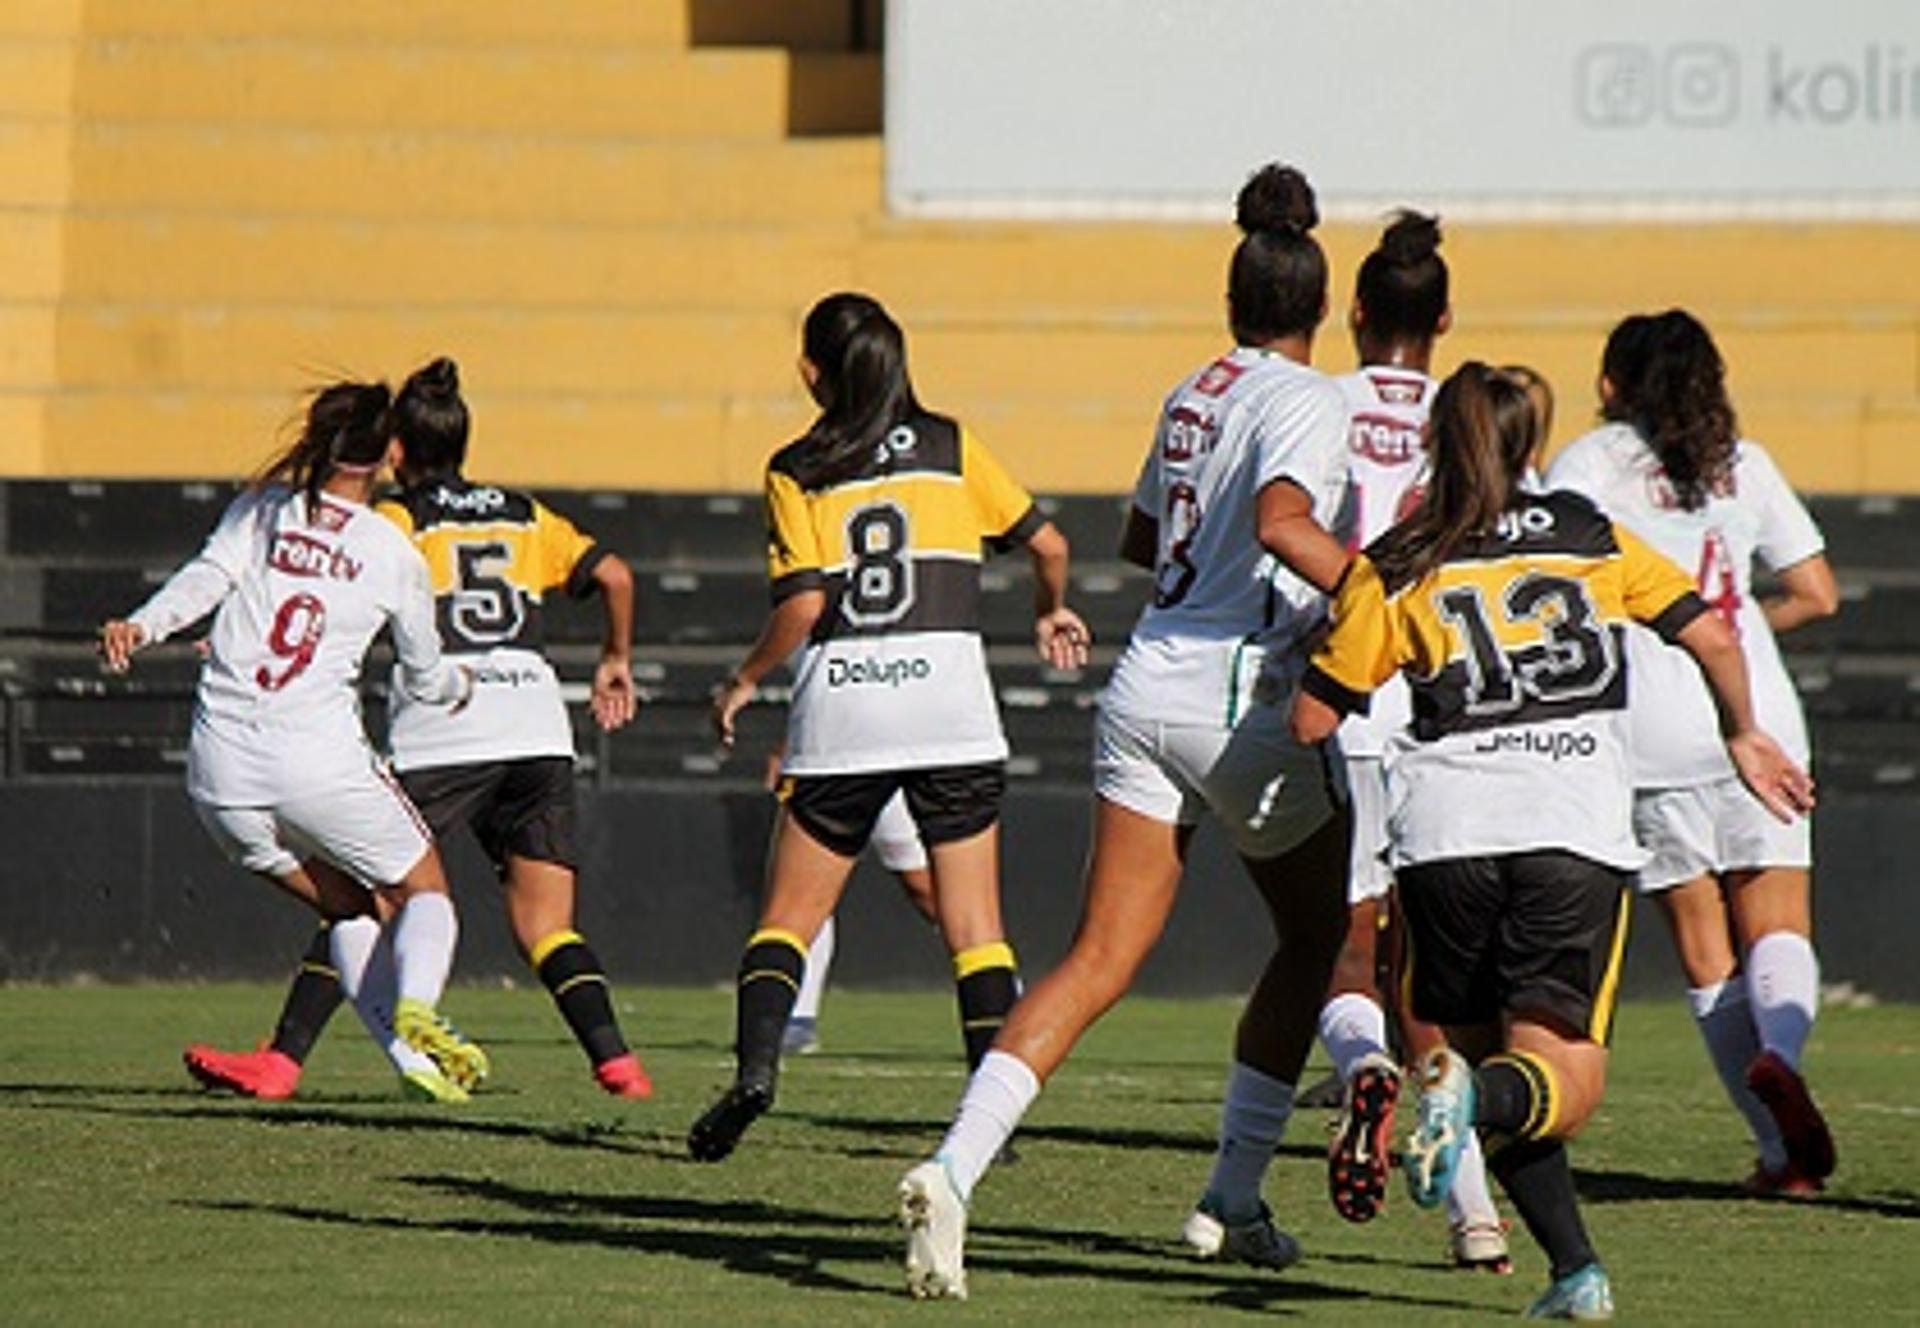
<point>714,1135</point>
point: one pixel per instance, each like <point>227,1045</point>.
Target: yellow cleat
<point>463,1063</point>
<point>430,1086</point>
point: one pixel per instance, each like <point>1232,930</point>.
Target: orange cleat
<point>269,1075</point>
<point>624,1076</point>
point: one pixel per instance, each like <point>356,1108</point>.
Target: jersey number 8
<point>880,582</point>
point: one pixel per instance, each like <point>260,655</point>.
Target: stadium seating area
<point>76,552</point>
<point>614,214</point>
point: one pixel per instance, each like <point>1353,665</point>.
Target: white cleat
<point>1256,1242</point>
<point>936,1223</point>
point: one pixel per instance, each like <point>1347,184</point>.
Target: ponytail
<point>348,425</point>
<point>1277,282</point>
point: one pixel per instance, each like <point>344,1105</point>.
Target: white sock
<point>1469,1202</point>
<point>997,1097</point>
<point>1252,1121</point>
<point>1783,979</point>
<point>813,983</point>
<point>1352,1026</point>
<point>423,937</point>
<point>1725,1018</point>
<point>363,959</point>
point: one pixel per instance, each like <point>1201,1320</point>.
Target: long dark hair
<point>347,424</point>
<point>1670,385</point>
<point>1402,287</point>
<point>1277,282</point>
<point>862,386</point>
<point>431,419</point>
<point>1483,430</point>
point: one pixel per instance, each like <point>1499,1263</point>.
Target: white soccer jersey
<point>1676,735</point>
<point>300,590</point>
<point>1386,461</point>
<point>1224,610</point>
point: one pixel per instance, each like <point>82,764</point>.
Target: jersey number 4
<point>1572,657</point>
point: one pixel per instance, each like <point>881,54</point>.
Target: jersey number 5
<point>487,609</point>
<point>1574,656</point>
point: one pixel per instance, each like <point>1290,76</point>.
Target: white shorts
<point>1368,877</point>
<point>1268,791</point>
<point>368,828</point>
<point>896,839</point>
<point>1704,829</point>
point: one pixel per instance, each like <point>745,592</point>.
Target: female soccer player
<point>1400,307</point>
<point>876,521</point>
<point>1246,471</point>
<point>504,767</point>
<point>1512,821</point>
<point>1731,882</point>
<point>301,574</point>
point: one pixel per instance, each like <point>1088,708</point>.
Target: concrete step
<point>386,174</point>
<point>604,89</point>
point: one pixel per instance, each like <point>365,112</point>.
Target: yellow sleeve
<point>793,546</point>
<point>1006,511</point>
<point>1364,648</point>
<point>397,513</point>
<point>1653,588</point>
<point>563,555</point>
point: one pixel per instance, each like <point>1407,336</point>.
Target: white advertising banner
<point>1668,108</point>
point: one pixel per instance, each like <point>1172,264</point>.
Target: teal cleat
<point>1583,1294</point>
<point>1445,1116</point>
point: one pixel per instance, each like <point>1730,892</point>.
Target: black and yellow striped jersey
<point>1514,649</point>
<point>894,676</point>
<point>492,556</point>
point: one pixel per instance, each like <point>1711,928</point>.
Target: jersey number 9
<point>298,625</point>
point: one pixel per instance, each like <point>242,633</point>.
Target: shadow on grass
<point>1089,1136</point>
<point>382,1114</point>
<point>1600,1187</point>
<point>790,1244</point>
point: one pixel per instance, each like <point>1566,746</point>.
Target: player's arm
<point>1807,592</point>
<point>615,699</point>
<point>191,593</point>
<point>425,673</point>
<point>1059,634</point>
<point>1360,653</point>
<point>785,631</point>
<point>1288,530</point>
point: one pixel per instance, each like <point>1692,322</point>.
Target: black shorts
<point>520,808</point>
<point>948,803</point>
<point>1539,934</point>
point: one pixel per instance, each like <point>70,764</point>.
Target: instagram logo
<point>1694,85</point>
<point>1702,85</point>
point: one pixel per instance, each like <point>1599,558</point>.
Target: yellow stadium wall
<point>615,222</point>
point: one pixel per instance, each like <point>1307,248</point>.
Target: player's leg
<point>957,812</point>
<point>823,827</point>
<point>802,1037</point>
<point>1679,827</point>
<point>1132,878</point>
<point>1772,912</point>
<point>526,825</point>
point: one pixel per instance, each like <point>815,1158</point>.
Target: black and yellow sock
<point>1516,1095</point>
<point>770,972</point>
<point>311,1000</point>
<point>571,971</point>
<point>1539,1180</point>
<point>986,980</point>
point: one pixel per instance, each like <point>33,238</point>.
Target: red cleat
<point>623,1076</point>
<point>1802,1128</point>
<point>269,1075</point>
<point>1357,1161</point>
<point>1787,1183</point>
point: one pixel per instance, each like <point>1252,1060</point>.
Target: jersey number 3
<point>1574,657</point>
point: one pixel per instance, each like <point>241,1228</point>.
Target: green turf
<point>130,1197</point>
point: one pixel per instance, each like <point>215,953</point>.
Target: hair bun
<point>1411,237</point>
<point>1277,199</point>
<point>439,379</point>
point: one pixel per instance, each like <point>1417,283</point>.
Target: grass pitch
<point>130,1196</point>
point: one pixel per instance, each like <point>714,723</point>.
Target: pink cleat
<point>624,1076</point>
<point>269,1075</point>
